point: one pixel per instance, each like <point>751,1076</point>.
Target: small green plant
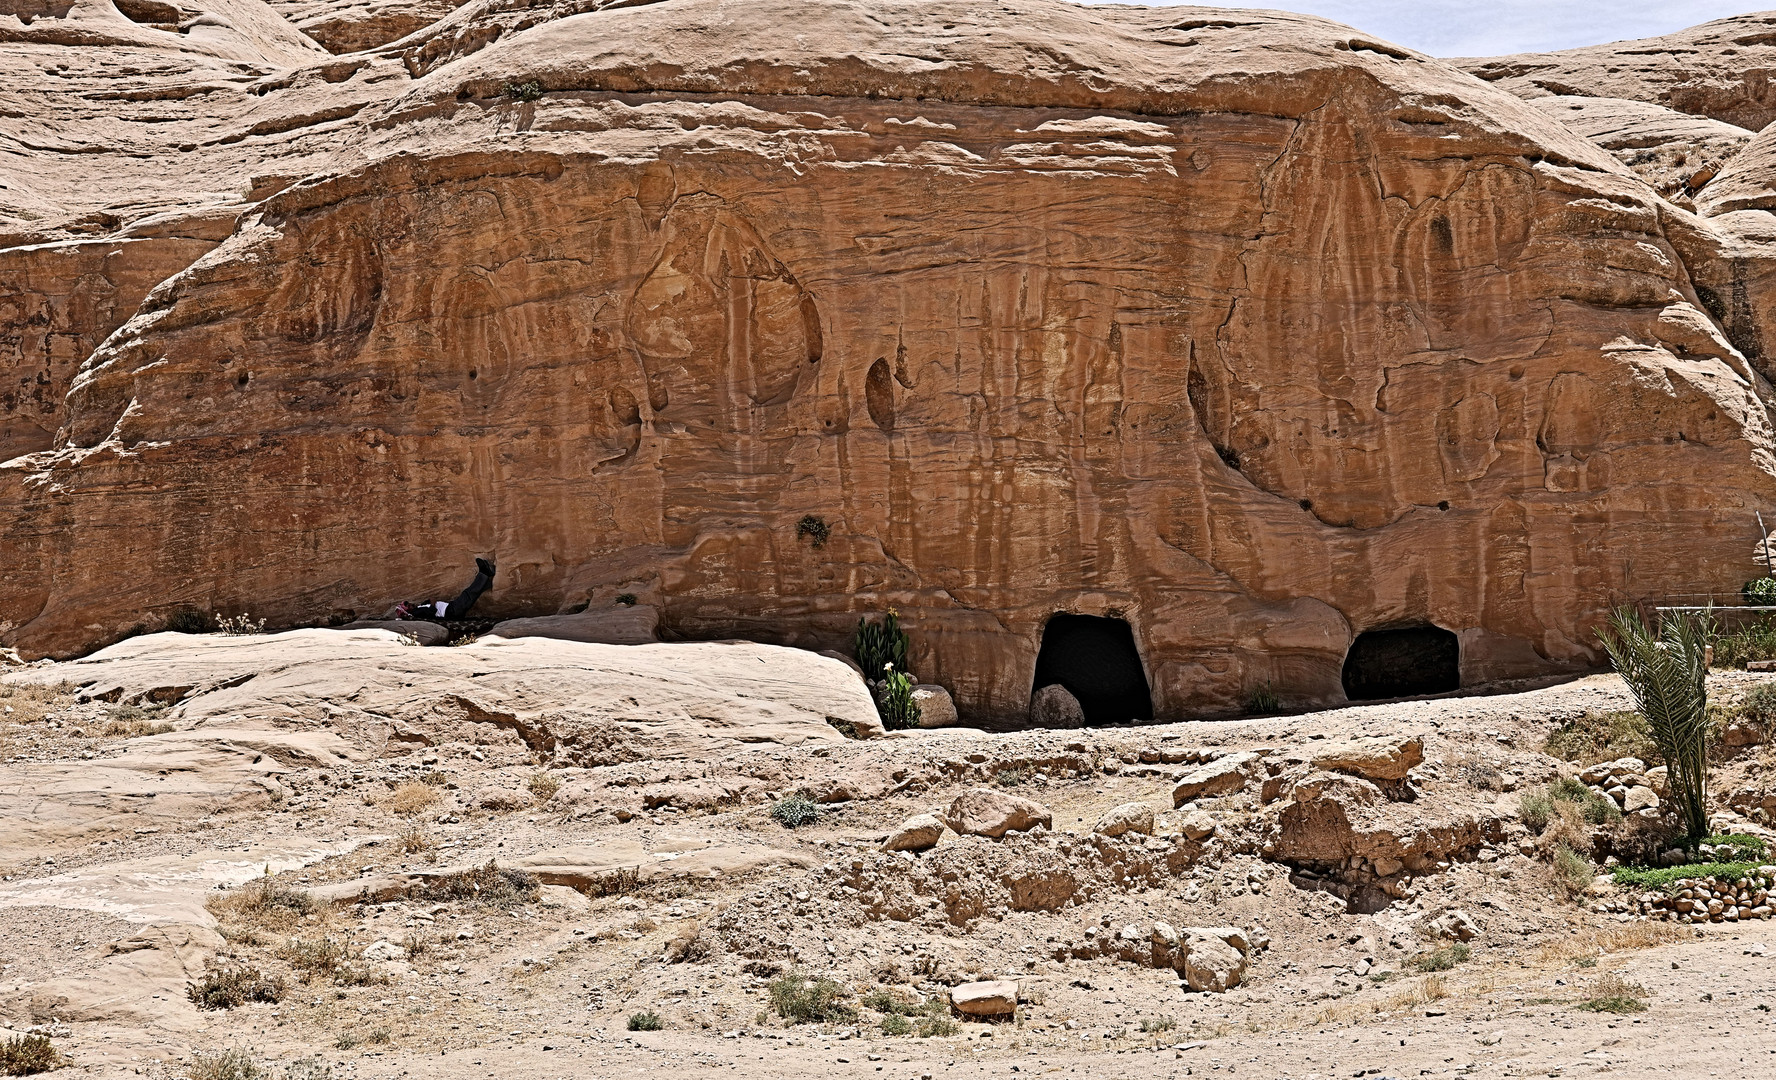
<point>1602,736</point>
<point>187,621</point>
<point>1157,1024</point>
<point>938,1025</point>
<point>1263,699</point>
<point>1444,959</point>
<point>1013,776</point>
<point>1736,847</point>
<point>1667,678</point>
<point>894,701</point>
<point>524,91</point>
<point>23,1055</point>
<point>230,988</point>
<point>1571,870</point>
<point>645,1021</point>
<point>1536,808</point>
<point>1760,592</point>
<point>543,785</point>
<point>1755,640</point>
<point>814,528</point>
<point>794,811</point>
<point>228,1065</point>
<point>896,1024</point>
<point>878,644</point>
<point>1760,704</point>
<point>626,599</point>
<point>1613,994</point>
<point>802,1000</point>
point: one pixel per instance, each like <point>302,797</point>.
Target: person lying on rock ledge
<point>447,609</point>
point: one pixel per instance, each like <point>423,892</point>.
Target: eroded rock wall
<point>1113,328</point>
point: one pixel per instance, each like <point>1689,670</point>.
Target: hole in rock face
<point>1402,662</point>
<point>1095,659</point>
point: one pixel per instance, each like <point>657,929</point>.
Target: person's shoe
<point>484,566</point>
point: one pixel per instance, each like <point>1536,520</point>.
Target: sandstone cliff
<point>1245,327</point>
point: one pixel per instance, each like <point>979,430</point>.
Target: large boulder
<point>936,708</point>
<point>917,833</point>
<point>633,624</point>
<point>1378,758</point>
<point>419,631</point>
<point>1054,706</point>
<point>994,997</point>
<point>985,812</point>
<point>1129,817</point>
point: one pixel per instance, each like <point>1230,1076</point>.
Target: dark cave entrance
<point>1095,659</point>
<point>1403,662</point>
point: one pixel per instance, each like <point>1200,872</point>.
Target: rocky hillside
<point>1247,329</point>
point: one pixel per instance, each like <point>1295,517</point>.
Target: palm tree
<point>1667,676</point>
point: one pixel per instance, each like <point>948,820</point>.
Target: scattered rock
<point>1639,798</point>
<point>984,812</point>
<point>1212,962</point>
<point>1223,776</point>
<point>1197,825</point>
<point>384,950</point>
<point>1054,707</point>
<point>1456,925</point>
<point>1129,817</point>
<point>917,833</point>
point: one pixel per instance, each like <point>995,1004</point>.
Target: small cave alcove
<point>1096,660</point>
<point>1402,662</point>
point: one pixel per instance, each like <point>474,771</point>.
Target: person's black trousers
<point>461,605</point>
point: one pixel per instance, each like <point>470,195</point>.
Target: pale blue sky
<point>1451,28</point>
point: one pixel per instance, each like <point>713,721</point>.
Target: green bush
<point>1602,736</point>
<point>877,645</point>
<point>795,811</point>
<point>187,621</point>
<point>802,1000</point>
<point>1665,878</point>
<point>1760,704</point>
<point>525,91</point>
<point>1572,870</point>
<point>645,1021</point>
<point>1760,592</point>
<point>814,528</point>
<point>1667,678</point>
<point>23,1055</point>
<point>896,1024</point>
<point>894,701</point>
<point>1596,809</point>
<point>1536,808</point>
<point>1263,700</point>
<point>230,988</point>
<point>1752,641</point>
<point>1443,959</point>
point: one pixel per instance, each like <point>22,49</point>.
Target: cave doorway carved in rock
<point>1404,661</point>
<point>1096,660</point>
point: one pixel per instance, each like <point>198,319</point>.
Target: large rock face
<point>1244,327</point>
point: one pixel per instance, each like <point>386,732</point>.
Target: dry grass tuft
<point>544,786</point>
<point>410,799</point>
<point>20,704</point>
<point>414,838</point>
<point>23,1055</point>
<point>264,904</point>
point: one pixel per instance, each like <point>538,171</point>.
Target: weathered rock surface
<point>1055,707</point>
<point>710,316</point>
<point>1223,776</point>
<point>1378,757</point>
<point>917,833</point>
<point>346,26</point>
<point>421,631</point>
<point>595,703</point>
<point>936,708</point>
<point>1129,817</point>
<point>984,812</point>
<point>1717,69</point>
<point>995,997</point>
<point>636,624</point>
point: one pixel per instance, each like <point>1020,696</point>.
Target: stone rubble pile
<point>1627,782</point>
<point>1714,900</point>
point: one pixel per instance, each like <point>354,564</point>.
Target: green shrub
<point>814,528</point>
<point>187,621</point>
<point>896,1024</point>
<point>1760,704</point>
<point>894,701</point>
<point>229,988</point>
<point>1665,878</point>
<point>1013,776</point>
<point>489,885</point>
<point>23,1055</point>
<point>1752,641</point>
<point>524,91</point>
<point>795,811</point>
<point>877,645</point>
<point>937,1025</point>
<point>624,600</point>
<point>1602,736</point>
<point>1536,808</point>
<point>1667,678</point>
<point>802,1000</point>
<point>1572,870</point>
<point>1760,591</point>
<point>227,1065</point>
<point>645,1021</point>
<point>1443,959</point>
<point>1263,700</point>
